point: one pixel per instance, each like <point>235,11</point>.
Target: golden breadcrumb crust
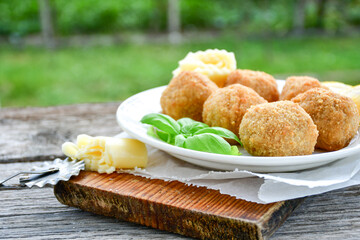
<point>298,84</point>
<point>227,106</point>
<point>186,94</point>
<point>336,117</point>
<point>264,84</point>
<point>280,128</point>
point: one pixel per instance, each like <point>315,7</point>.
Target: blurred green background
<point>61,52</point>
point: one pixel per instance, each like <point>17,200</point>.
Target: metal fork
<point>41,173</point>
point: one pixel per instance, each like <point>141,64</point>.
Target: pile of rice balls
<point>304,116</point>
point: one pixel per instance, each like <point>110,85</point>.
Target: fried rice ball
<point>264,84</point>
<point>227,106</point>
<point>298,84</point>
<point>280,128</point>
<point>336,117</point>
<point>185,95</point>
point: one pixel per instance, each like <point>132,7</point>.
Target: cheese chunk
<point>214,63</point>
<point>106,154</point>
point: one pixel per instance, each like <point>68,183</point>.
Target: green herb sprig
<point>190,134</point>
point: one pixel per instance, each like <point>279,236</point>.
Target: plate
<point>134,108</point>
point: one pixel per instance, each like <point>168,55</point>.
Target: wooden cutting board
<point>173,206</point>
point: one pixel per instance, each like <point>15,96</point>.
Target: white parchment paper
<point>255,187</point>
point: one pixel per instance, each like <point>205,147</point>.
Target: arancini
<point>298,84</point>
<point>336,117</point>
<point>264,84</point>
<point>280,128</point>
<point>185,95</point>
<point>227,106</point>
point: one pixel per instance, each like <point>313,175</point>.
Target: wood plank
<point>36,214</point>
<point>30,134</point>
<point>33,134</point>
<point>173,206</point>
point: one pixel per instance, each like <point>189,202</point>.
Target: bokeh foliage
<point>34,76</point>
<point>20,17</point>
<point>38,77</point>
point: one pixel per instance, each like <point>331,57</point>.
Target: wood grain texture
<point>33,134</point>
<point>36,213</point>
<point>173,206</point>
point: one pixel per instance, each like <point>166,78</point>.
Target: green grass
<point>36,77</point>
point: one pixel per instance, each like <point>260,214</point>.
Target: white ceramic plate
<point>134,108</point>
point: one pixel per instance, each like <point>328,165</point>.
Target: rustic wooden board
<point>36,214</point>
<point>173,206</point>
<point>33,134</point>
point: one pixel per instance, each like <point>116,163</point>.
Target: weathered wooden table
<point>31,135</point>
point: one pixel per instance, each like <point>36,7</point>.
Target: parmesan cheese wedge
<point>106,154</point>
<point>214,63</point>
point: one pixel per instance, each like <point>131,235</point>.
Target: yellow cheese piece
<point>214,63</point>
<point>106,154</point>
<point>347,90</point>
<point>337,86</point>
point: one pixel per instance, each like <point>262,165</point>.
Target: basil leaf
<point>222,132</point>
<point>208,142</point>
<point>151,132</point>
<point>155,133</point>
<point>162,122</point>
<point>180,140</point>
<point>235,150</point>
<point>164,136</point>
<point>189,126</point>
<point>190,134</point>
<point>185,122</point>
